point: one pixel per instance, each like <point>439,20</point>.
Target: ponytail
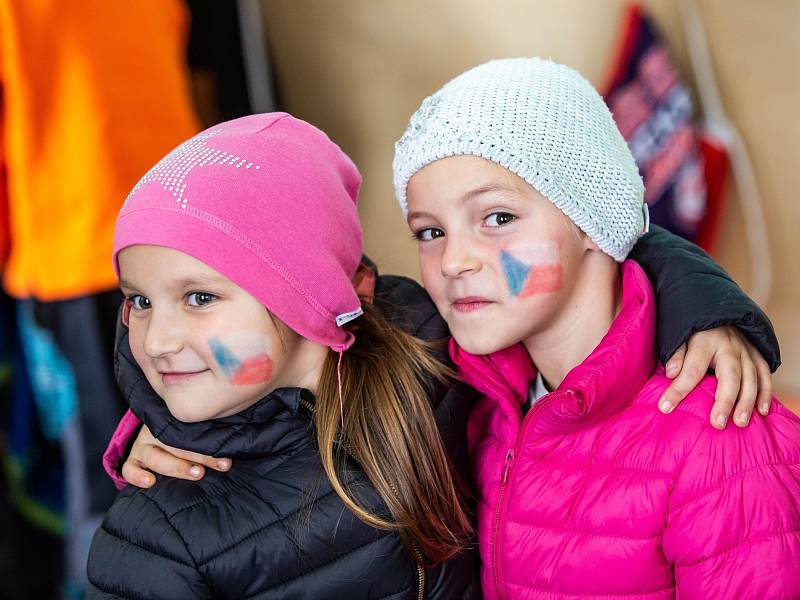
<point>387,425</point>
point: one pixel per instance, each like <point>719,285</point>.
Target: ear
<point>589,243</point>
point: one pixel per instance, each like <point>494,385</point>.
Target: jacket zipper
<point>420,572</point>
<point>504,479</point>
<point>417,553</point>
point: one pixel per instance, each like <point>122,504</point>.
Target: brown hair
<point>389,428</point>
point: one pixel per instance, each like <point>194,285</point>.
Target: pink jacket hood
<point>596,494</point>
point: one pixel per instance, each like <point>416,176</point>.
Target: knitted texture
<point>547,124</point>
<point>269,202</point>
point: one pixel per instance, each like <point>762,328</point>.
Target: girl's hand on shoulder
<point>149,456</point>
<point>743,375</point>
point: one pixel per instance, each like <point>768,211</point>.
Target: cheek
<point>434,284</point>
<point>245,359</point>
<point>136,343</point>
<point>531,270</point>
<point>256,369</point>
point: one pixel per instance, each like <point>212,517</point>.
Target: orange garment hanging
<point>93,94</point>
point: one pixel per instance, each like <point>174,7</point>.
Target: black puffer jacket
<point>272,527</point>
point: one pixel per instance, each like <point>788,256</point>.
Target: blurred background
<point>93,93</point>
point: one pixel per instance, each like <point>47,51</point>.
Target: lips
<point>173,377</point>
<point>471,304</point>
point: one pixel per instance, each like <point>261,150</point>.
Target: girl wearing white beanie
<point>526,202</point>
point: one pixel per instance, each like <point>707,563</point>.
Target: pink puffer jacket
<point>596,494</point>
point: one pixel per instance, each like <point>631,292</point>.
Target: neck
<point>584,319</point>
<point>308,369</point>
<point>306,359</point>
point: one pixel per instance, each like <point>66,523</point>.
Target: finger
<point>218,464</point>
<point>134,474</point>
<point>747,392</point>
<point>729,379</point>
<point>162,462</point>
<point>675,362</point>
<point>764,400</point>
<point>695,365</point>
<point>146,439</point>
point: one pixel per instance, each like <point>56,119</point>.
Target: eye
<point>428,234</point>
<point>499,219</point>
<point>199,298</point>
<point>139,302</point>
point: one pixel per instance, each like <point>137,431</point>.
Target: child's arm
<point>132,463</point>
<point>695,294</point>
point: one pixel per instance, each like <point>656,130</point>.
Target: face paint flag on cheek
<point>526,279</point>
<point>254,369</point>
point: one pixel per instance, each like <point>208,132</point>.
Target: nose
<point>460,257</point>
<point>163,335</point>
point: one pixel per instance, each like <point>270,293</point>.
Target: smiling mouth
<point>471,304</point>
<point>174,377</point>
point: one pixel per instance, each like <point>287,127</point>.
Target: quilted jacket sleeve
<point>127,561</point>
<point>694,293</point>
<point>117,448</point>
<point>733,529</point>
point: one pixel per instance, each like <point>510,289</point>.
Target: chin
<point>482,344</point>
<point>187,414</point>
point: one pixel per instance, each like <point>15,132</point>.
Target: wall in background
<point>358,69</point>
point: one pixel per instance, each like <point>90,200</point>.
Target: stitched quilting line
<point>559,594</point>
<point>728,480</point>
<point>151,550</point>
<point>180,537</point>
<point>322,566</point>
<point>747,542</point>
<point>115,594</point>
<point>584,533</point>
<point>209,496</point>
<point>608,467</point>
<point>265,527</point>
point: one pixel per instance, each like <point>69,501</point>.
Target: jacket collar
<point>604,383</point>
<point>274,425</point>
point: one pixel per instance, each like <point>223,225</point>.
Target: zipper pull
<point>509,458</point>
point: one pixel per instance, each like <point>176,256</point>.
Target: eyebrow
<point>489,188</point>
<point>183,283</point>
<point>189,282</point>
<point>123,283</point>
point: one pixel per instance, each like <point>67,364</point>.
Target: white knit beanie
<point>544,122</point>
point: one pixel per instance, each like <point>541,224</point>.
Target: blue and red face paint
<point>528,279</point>
<point>248,371</point>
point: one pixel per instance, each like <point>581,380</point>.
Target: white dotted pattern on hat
<point>544,122</point>
<point>172,170</point>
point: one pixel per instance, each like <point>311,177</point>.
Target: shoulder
<point>706,459</point>
<point>151,514</point>
<point>136,537</point>
<point>734,495</point>
<point>778,434</point>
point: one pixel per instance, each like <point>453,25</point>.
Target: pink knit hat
<point>269,201</point>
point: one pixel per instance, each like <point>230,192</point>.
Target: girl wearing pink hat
<point>242,334</point>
